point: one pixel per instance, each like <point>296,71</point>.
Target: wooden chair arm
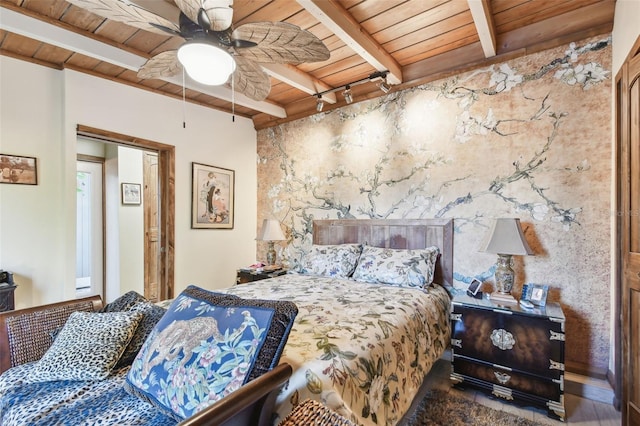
<point>251,405</point>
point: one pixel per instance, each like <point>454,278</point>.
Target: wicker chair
<point>24,334</point>
<point>312,413</point>
<point>25,337</point>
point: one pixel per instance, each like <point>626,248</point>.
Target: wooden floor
<point>579,411</point>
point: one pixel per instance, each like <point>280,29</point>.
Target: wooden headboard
<point>393,233</point>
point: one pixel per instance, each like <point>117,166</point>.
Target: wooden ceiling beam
<point>300,80</point>
<point>483,20</point>
<point>56,35</point>
<point>335,17</point>
<point>583,19</point>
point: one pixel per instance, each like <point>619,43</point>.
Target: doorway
<point>89,226</point>
<point>151,245</point>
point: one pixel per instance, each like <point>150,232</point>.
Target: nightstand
<point>6,297</point>
<point>514,353</point>
<point>244,276</point>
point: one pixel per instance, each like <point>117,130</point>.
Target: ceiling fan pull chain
<point>184,106</point>
<point>233,98</point>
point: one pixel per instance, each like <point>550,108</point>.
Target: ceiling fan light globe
<point>206,63</point>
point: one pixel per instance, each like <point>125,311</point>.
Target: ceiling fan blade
<point>130,14</point>
<point>280,42</point>
<point>215,15</point>
<point>164,64</point>
<point>250,79</point>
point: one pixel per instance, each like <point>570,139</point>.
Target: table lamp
<point>505,239</point>
<point>270,232</point>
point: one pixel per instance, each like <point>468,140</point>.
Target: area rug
<point>440,408</point>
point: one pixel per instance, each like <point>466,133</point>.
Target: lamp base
<point>503,299</point>
<point>271,254</point>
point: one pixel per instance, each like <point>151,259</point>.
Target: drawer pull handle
<point>501,392</point>
<point>556,336</point>
<point>503,378</point>
<point>502,339</point>
<point>555,365</point>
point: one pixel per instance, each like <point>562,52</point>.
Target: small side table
<point>245,276</point>
<point>6,297</point>
<point>514,353</point>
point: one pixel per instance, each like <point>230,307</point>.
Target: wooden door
<point>151,229</point>
<point>628,139</point>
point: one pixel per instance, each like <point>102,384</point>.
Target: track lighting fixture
<point>348,95</point>
<point>384,87</point>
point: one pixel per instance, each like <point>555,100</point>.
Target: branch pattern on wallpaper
<point>530,138</point>
<point>311,193</point>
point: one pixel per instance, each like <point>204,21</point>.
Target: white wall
<point>39,111</point>
<point>131,224</point>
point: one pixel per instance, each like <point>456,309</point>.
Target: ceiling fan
<point>213,51</point>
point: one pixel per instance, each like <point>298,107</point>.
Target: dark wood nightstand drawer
<point>544,388</point>
<point>515,354</point>
<point>534,344</point>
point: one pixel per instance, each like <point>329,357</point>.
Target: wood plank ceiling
<point>415,40</point>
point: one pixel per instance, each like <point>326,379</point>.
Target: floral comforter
<point>361,349</point>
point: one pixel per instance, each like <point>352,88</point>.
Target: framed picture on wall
<point>18,169</point>
<point>131,193</point>
<point>213,191</point>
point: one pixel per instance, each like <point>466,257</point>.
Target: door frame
<point>166,183</point>
<point>621,312</point>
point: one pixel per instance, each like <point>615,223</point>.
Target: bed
<point>363,349</point>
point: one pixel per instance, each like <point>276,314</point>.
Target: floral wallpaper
<point>527,138</point>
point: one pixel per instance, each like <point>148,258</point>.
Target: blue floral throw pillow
<point>206,346</point>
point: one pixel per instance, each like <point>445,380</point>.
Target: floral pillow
<point>87,347</point>
<point>404,268</point>
<point>206,346</point>
<point>331,260</point>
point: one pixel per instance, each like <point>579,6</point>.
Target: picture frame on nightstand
<point>474,289</point>
<point>535,293</point>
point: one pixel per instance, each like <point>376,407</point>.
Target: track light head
<point>319,104</point>
<point>348,97</point>
<point>384,87</point>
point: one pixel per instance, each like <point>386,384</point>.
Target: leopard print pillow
<point>87,348</point>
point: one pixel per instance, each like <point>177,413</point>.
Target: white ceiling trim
<point>27,26</point>
<point>335,17</point>
<point>484,25</point>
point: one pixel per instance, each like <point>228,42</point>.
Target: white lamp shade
<point>506,237</point>
<point>206,63</point>
<point>271,231</point>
